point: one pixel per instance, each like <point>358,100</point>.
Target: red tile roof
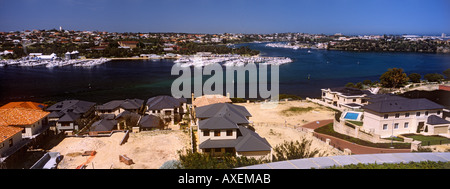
<point>7,132</point>
<point>27,104</point>
<point>21,116</point>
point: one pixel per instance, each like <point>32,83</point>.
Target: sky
<point>349,17</point>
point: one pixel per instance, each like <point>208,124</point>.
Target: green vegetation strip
<point>410,165</point>
<point>328,130</point>
<point>429,140</point>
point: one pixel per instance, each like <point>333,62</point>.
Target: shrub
<point>294,150</point>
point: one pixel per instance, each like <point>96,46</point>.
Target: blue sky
<point>230,16</point>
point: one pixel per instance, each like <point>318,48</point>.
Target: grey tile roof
<point>76,106</point>
<point>128,104</point>
<point>103,125</point>
<point>383,97</point>
<point>217,123</point>
<point>164,102</point>
<point>399,105</point>
<point>246,142</point>
<point>251,141</point>
<point>149,121</point>
<point>436,120</point>
<point>69,117</point>
<point>55,114</point>
<point>233,112</point>
<point>347,91</point>
<point>69,110</point>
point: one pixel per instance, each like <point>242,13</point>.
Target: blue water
<point>350,115</point>
<point>145,78</point>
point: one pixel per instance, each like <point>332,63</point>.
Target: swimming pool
<point>351,115</point>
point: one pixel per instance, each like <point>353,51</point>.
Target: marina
<point>26,62</point>
<point>229,60</point>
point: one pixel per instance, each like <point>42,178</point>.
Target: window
<point>417,114</point>
<point>397,115</point>
<point>217,133</point>
<point>229,132</point>
<point>217,149</point>
<point>384,126</point>
<point>438,112</point>
<point>11,142</point>
<point>229,150</point>
<point>395,125</point>
<point>406,125</point>
<point>406,114</point>
<point>354,100</point>
<point>386,116</point>
<point>426,113</point>
<point>205,132</point>
<point>207,150</point>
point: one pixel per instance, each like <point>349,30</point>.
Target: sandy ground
<point>148,150</point>
<point>277,127</point>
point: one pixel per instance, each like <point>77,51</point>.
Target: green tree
<point>447,73</point>
<point>393,78</point>
<point>367,82</point>
<point>414,77</point>
<point>350,84</point>
<point>433,77</point>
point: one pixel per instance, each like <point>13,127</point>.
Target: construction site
<point>144,150</point>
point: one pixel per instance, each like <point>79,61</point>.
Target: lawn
<point>429,140</point>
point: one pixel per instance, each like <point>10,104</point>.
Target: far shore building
<point>70,115</point>
<point>170,109</point>
<point>224,128</point>
<point>128,44</point>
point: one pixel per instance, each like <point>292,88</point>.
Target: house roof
<point>400,105</point>
<point>103,125</point>
<point>235,113</point>
<point>436,120</point>
<point>7,132</point>
<point>76,106</point>
<point>69,117</point>
<point>21,116</point>
<point>149,121</point>
<point>210,99</point>
<point>25,104</point>
<point>348,91</point>
<point>127,104</point>
<point>164,102</point>
<point>217,123</point>
<point>383,97</point>
<point>247,141</point>
<point>251,141</point>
